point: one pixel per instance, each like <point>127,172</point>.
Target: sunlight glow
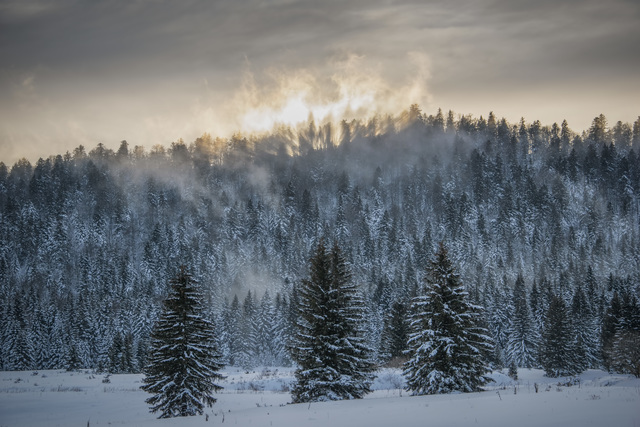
<point>355,90</point>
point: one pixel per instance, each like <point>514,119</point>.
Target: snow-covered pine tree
<point>394,334</point>
<point>329,346</point>
<point>625,351</point>
<point>556,353</point>
<point>611,323</point>
<point>585,327</point>
<point>183,360</point>
<point>232,326</point>
<point>523,339</point>
<point>447,347</point>
<point>282,331</point>
<point>246,353</point>
<point>498,307</point>
<point>116,354</point>
<point>265,332</point>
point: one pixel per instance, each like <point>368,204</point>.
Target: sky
<point>152,71</point>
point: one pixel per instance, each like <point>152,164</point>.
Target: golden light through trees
<point>356,89</point>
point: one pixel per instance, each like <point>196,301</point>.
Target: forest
<point>542,223</point>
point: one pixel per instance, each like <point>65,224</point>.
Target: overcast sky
<point>152,71</point>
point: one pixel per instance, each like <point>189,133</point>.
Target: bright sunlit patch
<point>355,90</point>
<point>264,118</point>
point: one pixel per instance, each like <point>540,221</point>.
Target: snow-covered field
<point>259,398</point>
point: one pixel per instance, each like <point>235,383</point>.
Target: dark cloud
<point>64,58</point>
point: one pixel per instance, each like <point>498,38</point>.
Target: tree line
<point>535,218</point>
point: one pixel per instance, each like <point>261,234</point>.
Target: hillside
<point>89,240</point>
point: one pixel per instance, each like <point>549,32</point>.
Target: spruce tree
<point>265,332</point>
<point>557,350</point>
<point>115,354</point>
<point>625,356</point>
<point>183,359</point>
<point>231,324</point>
<point>394,335</point>
<point>246,352</point>
<point>611,324</point>
<point>447,347</point>
<point>585,329</point>
<point>523,340</point>
<point>625,351</point>
<point>328,346</point>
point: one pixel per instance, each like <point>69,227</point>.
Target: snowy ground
<point>259,398</point>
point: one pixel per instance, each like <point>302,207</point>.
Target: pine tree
<point>246,352</point>
<point>523,340</point>
<point>73,361</point>
<point>183,359</point>
<point>447,347</point>
<point>625,351</point>
<point>556,354</point>
<point>598,129</point>
<point>328,346</point>
<point>498,308</point>
<point>116,354</point>
<point>635,135</point>
<point>584,332</point>
<point>395,333</point>
<point>282,330</point>
<point>265,331</point>
<point>231,325</point>
<point>611,324</point>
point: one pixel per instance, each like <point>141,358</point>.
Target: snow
<point>260,397</point>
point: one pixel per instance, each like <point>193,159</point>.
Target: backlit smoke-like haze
<point>354,89</point>
<point>151,71</point>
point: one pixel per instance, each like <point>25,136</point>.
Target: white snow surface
<point>260,398</point>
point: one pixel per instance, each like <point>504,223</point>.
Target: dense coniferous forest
<point>542,224</point>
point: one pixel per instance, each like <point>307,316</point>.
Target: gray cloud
<point>81,71</point>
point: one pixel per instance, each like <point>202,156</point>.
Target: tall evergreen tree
<point>232,323</point>
<point>328,346</point>
<point>626,352</point>
<point>395,333</point>
<point>447,347</point>
<point>625,349</point>
<point>635,135</point>
<point>585,330</point>
<point>557,350</point>
<point>598,129</point>
<point>183,360</point>
<point>522,344</point>
<point>246,351</point>
<point>611,324</point>
<point>265,332</point>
